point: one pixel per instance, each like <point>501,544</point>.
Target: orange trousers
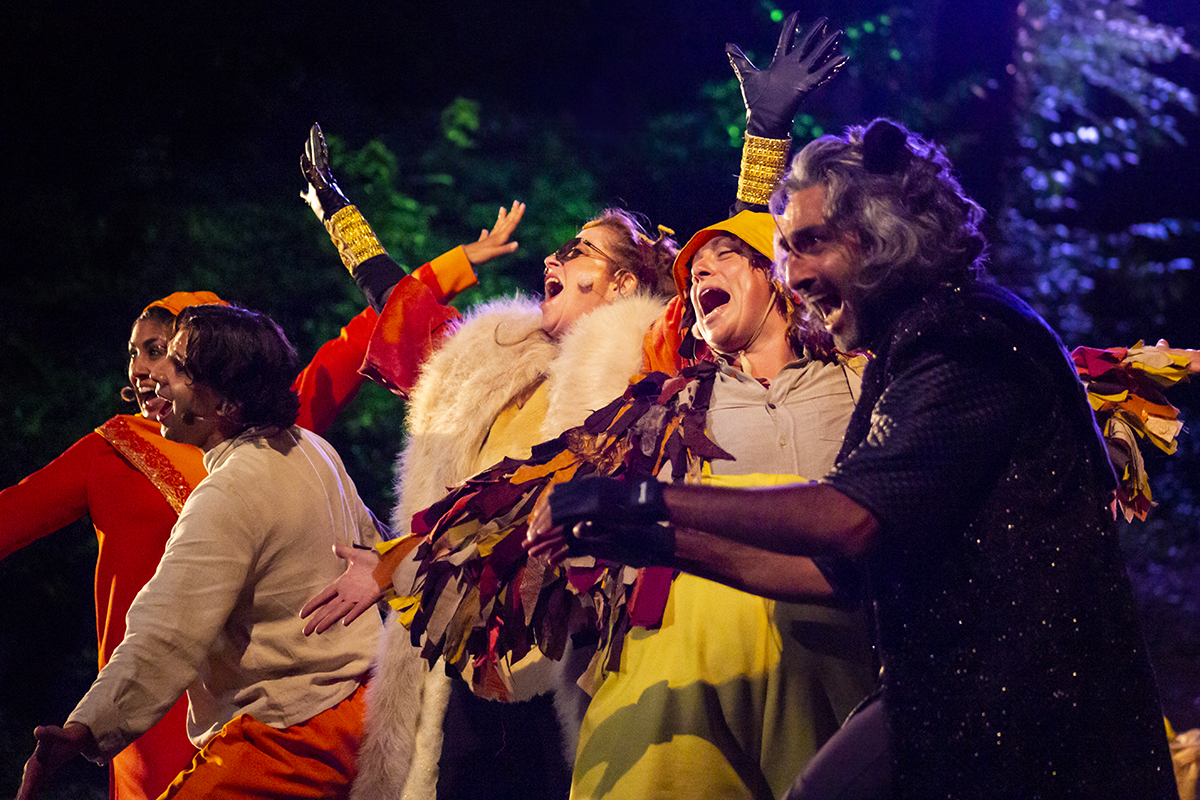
<point>315,759</point>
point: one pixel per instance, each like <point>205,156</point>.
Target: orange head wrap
<point>178,301</point>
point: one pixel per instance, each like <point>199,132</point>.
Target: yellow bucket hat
<point>755,228</point>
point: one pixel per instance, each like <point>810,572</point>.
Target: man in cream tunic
<point>220,616</point>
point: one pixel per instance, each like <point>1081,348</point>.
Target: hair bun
<point>885,148</point>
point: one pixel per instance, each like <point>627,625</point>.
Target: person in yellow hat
<point>716,692</point>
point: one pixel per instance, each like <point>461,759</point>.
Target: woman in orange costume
<point>132,482</point>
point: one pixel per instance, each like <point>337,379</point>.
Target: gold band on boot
<point>764,162</point>
<point>353,237</point>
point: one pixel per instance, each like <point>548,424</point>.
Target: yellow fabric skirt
<point>729,698</point>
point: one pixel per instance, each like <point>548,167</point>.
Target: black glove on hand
<point>615,520</point>
<point>314,163</point>
<point>773,95</point>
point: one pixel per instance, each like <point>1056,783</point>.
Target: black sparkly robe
<point>1014,665</point>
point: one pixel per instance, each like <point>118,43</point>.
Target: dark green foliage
<point>1065,119</point>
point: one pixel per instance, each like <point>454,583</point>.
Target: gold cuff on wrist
<point>764,161</point>
<point>353,237</point>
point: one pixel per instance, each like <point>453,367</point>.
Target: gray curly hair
<point>897,195</point>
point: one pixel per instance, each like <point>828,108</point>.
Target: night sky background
<point>154,147</point>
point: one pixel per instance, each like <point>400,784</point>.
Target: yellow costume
<point>719,701</point>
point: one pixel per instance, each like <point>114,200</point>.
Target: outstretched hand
<point>322,195</point>
<point>55,747</point>
<point>773,95</point>
<point>495,242</point>
<point>347,597</point>
<point>1193,356</point>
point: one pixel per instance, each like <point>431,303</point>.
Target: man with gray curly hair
<point>979,491</point>
<point>892,211</point>
<point>972,487</point>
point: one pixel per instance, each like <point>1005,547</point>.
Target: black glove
<point>773,95</point>
<point>314,163</point>
<point>615,520</point>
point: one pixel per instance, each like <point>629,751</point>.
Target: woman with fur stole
<point>489,386</point>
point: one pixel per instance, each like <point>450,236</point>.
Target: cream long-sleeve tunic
<point>220,617</point>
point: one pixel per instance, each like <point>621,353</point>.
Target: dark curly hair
<point>897,196</point>
<point>649,260</point>
<point>245,358</point>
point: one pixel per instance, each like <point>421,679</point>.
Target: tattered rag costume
<point>1125,391</point>
<point>132,483</point>
<point>731,694</point>
<point>712,692</point>
<point>1013,660</point>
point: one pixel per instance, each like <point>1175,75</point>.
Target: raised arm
<point>773,96</point>
<point>363,254</point>
<point>332,379</point>
<point>414,317</point>
<point>360,249</point>
<point>415,321</point>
